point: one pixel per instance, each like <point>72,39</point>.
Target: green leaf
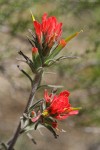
<point>51,130</point>
<point>36,125</point>
<point>60,47</point>
<point>51,86</point>
<point>30,127</point>
<point>54,53</point>
<point>36,60</point>
<point>72,36</point>
<point>34,105</point>
<point>40,51</point>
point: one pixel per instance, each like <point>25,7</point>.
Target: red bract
<point>47,40</point>
<point>34,50</point>
<point>48,30</point>
<point>58,106</point>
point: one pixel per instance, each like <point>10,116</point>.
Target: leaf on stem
<point>25,74</point>
<point>28,61</point>
<point>31,138</point>
<point>53,61</point>
<point>51,86</point>
<point>34,105</point>
<point>36,125</point>
<point>51,130</point>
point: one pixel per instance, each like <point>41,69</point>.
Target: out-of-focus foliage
<point>15,14</point>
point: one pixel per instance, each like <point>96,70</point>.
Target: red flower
<point>49,30</point>
<point>58,106</point>
<point>62,42</point>
<point>47,40</point>
<point>34,50</point>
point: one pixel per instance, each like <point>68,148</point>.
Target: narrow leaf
<point>51,130</point>
<point>31,138</point>
<point>72,36</point>
<point>36,125</point>
<point>34,105</point>
<point>30,127</point>
<point>61,45</point>
<point>51,86</point>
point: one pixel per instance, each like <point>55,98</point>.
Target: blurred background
<point>80,76</point>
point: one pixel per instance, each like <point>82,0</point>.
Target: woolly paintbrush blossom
<point>47,40</point>
<point>49,29</point>
<point>47,33</point>
<point>58,106</point>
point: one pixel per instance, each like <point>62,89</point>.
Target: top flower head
<point>49,30</point>
<point>47,41</point>
<point>48,33</point>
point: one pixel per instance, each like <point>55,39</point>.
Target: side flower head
<point>54,107</point>
<point>58,106</point>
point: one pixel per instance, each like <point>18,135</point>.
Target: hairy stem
<point>35,85</point>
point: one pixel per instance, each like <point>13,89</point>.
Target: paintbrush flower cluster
<point>46,43</point>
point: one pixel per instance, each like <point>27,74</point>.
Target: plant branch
<point>35,85</point>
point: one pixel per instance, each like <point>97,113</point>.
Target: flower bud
<point>62,43</point>
<point>34,50</point>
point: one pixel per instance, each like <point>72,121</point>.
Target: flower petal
<point>74,112</point>
<point>35,118</point>
<point>65,93</point>
<point>46,96</point>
